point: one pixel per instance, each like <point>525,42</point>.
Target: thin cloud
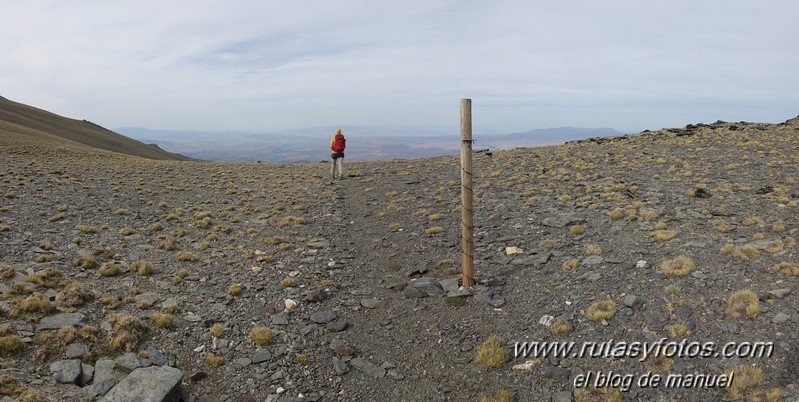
<point>263,65</point>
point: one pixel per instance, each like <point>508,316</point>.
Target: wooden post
<point>467,225</point>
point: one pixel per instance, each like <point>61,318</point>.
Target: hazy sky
<point>264,65</point>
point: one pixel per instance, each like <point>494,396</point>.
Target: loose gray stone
<point>130,362</point>
<point>683,313</point>
<point>105,378</point>
<point>341,348</point>
<point>535,259</point>
<point>76,350</point>
<point>323,316</point>
<point>337,325</point>
<point>87,374</point>
<point>373,303</point>
<point>591,276</point>
<point>67,371</point>
<point>556,372</point>
<point>459,293</point>
<point>633,302</point>
<point>592,260</point>
<point>340,366</point>
<point>157,357</point>
<point>423,287</point>
<point>149,297</point>
<point>318,243</point>
<point>449,285</point>
<point>368,367</point>
<point>192,317</point>
<point>562,396</point>
<point>61,320</point>
<point>308,329</point>
<point>780,318</point>
<point>260,356</point>
<point>780,293</point>
<point>496,300</point>
<point>243,362</point>
<point>169,303</point>
<point>560,221</point>
<point>417,271</point>
<point>315,296</point>
<point>150,384</point>
<point>280,319</point>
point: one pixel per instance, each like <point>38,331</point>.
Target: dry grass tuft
<point>161,320</point>
<point>503,395</point>
<point>109,269</point>
<point>561,327</point>
<point>262,336</point>
<point>598,395</point>
<point>11,345</point>
<point>593,249</point>
<point>601,310</point>
<point>743,303</point>
<point>576,230</point>
<point>745,252</point>
<point>491,353</point>
<point>143,268</point>
<point>234,289</point>
<point>215,360</point>
<point>679,330</point>
<point>9,386</point>
<point>432,231</point>
<point>745,381</point>
<point>678,266</point>
<point>74,294</point>
<point>664,235</point>
<point>570,264</point>
<point>164,242</point>
<point>126,331</point>
<point>217,330</point>
<point>186,256</point>
<point>49,278</point>
<point>289,221</point>
<point>787,268</point>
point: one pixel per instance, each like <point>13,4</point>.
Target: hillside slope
<point>80,131</point>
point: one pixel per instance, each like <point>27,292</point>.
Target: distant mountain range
<point>309,144</point>
<point>363,142</point>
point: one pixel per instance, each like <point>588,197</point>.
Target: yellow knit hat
<point>338,131</point>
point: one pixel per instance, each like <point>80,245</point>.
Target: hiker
<point>337,145</point>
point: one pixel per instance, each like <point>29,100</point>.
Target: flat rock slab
<point>324,316</point>
<point>61,320</point>
<point>319,243</point>
<point>76,350</point>
<point>149,297</point>
<point>67,371</point>
<point>373,303</point>
<point>423,287</point>
<point>105,378</point>
<point>149,384</point>
<point>561,220</point>
<point>368,367</point>
<point>130,362</point>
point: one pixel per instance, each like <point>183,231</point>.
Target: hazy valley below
<point>363,143</point>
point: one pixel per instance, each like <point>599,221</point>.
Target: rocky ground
<point>275,282</point>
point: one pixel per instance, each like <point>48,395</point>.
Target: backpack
<point>339,143</point>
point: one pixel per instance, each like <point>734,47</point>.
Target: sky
<point>266,65</point>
